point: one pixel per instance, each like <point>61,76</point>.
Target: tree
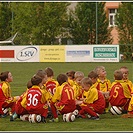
<point>104,32</point>
<point>39,23</point>
<point>124,22</point>
<point>89,24</point>
<point>5,20</point>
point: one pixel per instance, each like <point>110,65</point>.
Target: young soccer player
<point>71,77</point>
<point>6,99</point>
<point>125,72</point>
<point>20,107</point>
<point>51,83</point>
<point>93,103</point>
<point>37,97</point>
<point>129,113</point>
<point>103,84</point>
<point>78,76</point>
<point>120,93</point>
<point>93,76</point>
<point>63,99</point>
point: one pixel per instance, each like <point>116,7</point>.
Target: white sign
<point>27,53</point>
<point>78,53</point>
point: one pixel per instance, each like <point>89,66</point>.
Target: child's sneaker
<point>54,120</point>
<point>94,118</point>
<point>43,119</point>
<point>13,117</point>
<point>81,116</point>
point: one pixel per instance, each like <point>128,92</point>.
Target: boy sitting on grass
<point>94,103</point>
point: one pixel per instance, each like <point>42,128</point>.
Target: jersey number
<point>116,92</point>
<point>32,99</point>
<point>69,94</point>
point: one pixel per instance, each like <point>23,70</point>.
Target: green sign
<point>104,52</point>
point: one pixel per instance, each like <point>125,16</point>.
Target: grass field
<point>22,72</point>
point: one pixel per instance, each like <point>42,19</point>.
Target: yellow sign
<point>52,53</point>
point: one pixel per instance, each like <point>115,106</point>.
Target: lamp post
<point>12,18</point>
<point>96,25</point>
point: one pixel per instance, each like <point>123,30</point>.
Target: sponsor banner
<point>78,53</point>
<point>7,54</point>
<point>27,53</point>
<point>105,53</point>
<point>60,53</point>
<point>52,53</point>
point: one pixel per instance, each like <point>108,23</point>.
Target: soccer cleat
<point>54,120</point>
<point>43,119</point>
<point>3,116</point>
<point>13,117</point>
<point>81,116</point>
<point>94,118</point>
<point>89,116</point>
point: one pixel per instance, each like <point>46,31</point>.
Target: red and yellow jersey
<point>64,94</point>
<point>71,82</point>
<point>51,85</point>
<point>129,82</point>
<point>22,99</point>
<point>103,86</point>
<point>119,91</point>
<point>36,98</point>
<point>130,107</point>
<point>77,91</point>
<point>5,93</point>
<point>93,96</point>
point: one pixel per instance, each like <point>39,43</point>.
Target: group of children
<point>49,97</point>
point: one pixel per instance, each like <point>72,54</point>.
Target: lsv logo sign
<point>26,53</point>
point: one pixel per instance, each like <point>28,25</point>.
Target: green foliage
<point>124,22</point>
<point>22,72</point>
<point>38,23</point>
<point>104,33</point>
<point>5,20</point>
<point>89,24</point>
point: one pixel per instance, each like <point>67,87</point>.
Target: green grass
<point>22,72</point>
<point>107,122</point>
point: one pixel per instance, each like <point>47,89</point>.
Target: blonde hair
<point>78,74</point>
<point>98,69</point>
<point>86,81</point>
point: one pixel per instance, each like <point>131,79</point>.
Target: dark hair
<point>49,71</point>
<point>61,78</point>
<point>70,74</point>
<point>41,73</point>
<point>29,84</point>
<point>36,80</point>
<point>86,81</point>
<point>92,74</point>
<point>4,75</point>
<point>118,75</point>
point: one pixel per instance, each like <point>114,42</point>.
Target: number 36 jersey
<point>36,99</point>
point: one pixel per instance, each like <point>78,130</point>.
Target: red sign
<point>6,53</point>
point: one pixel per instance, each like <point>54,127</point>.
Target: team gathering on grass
<point>54,97</point>
<point>48,97</point>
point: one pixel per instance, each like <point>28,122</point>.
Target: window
<point>112,13</point>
